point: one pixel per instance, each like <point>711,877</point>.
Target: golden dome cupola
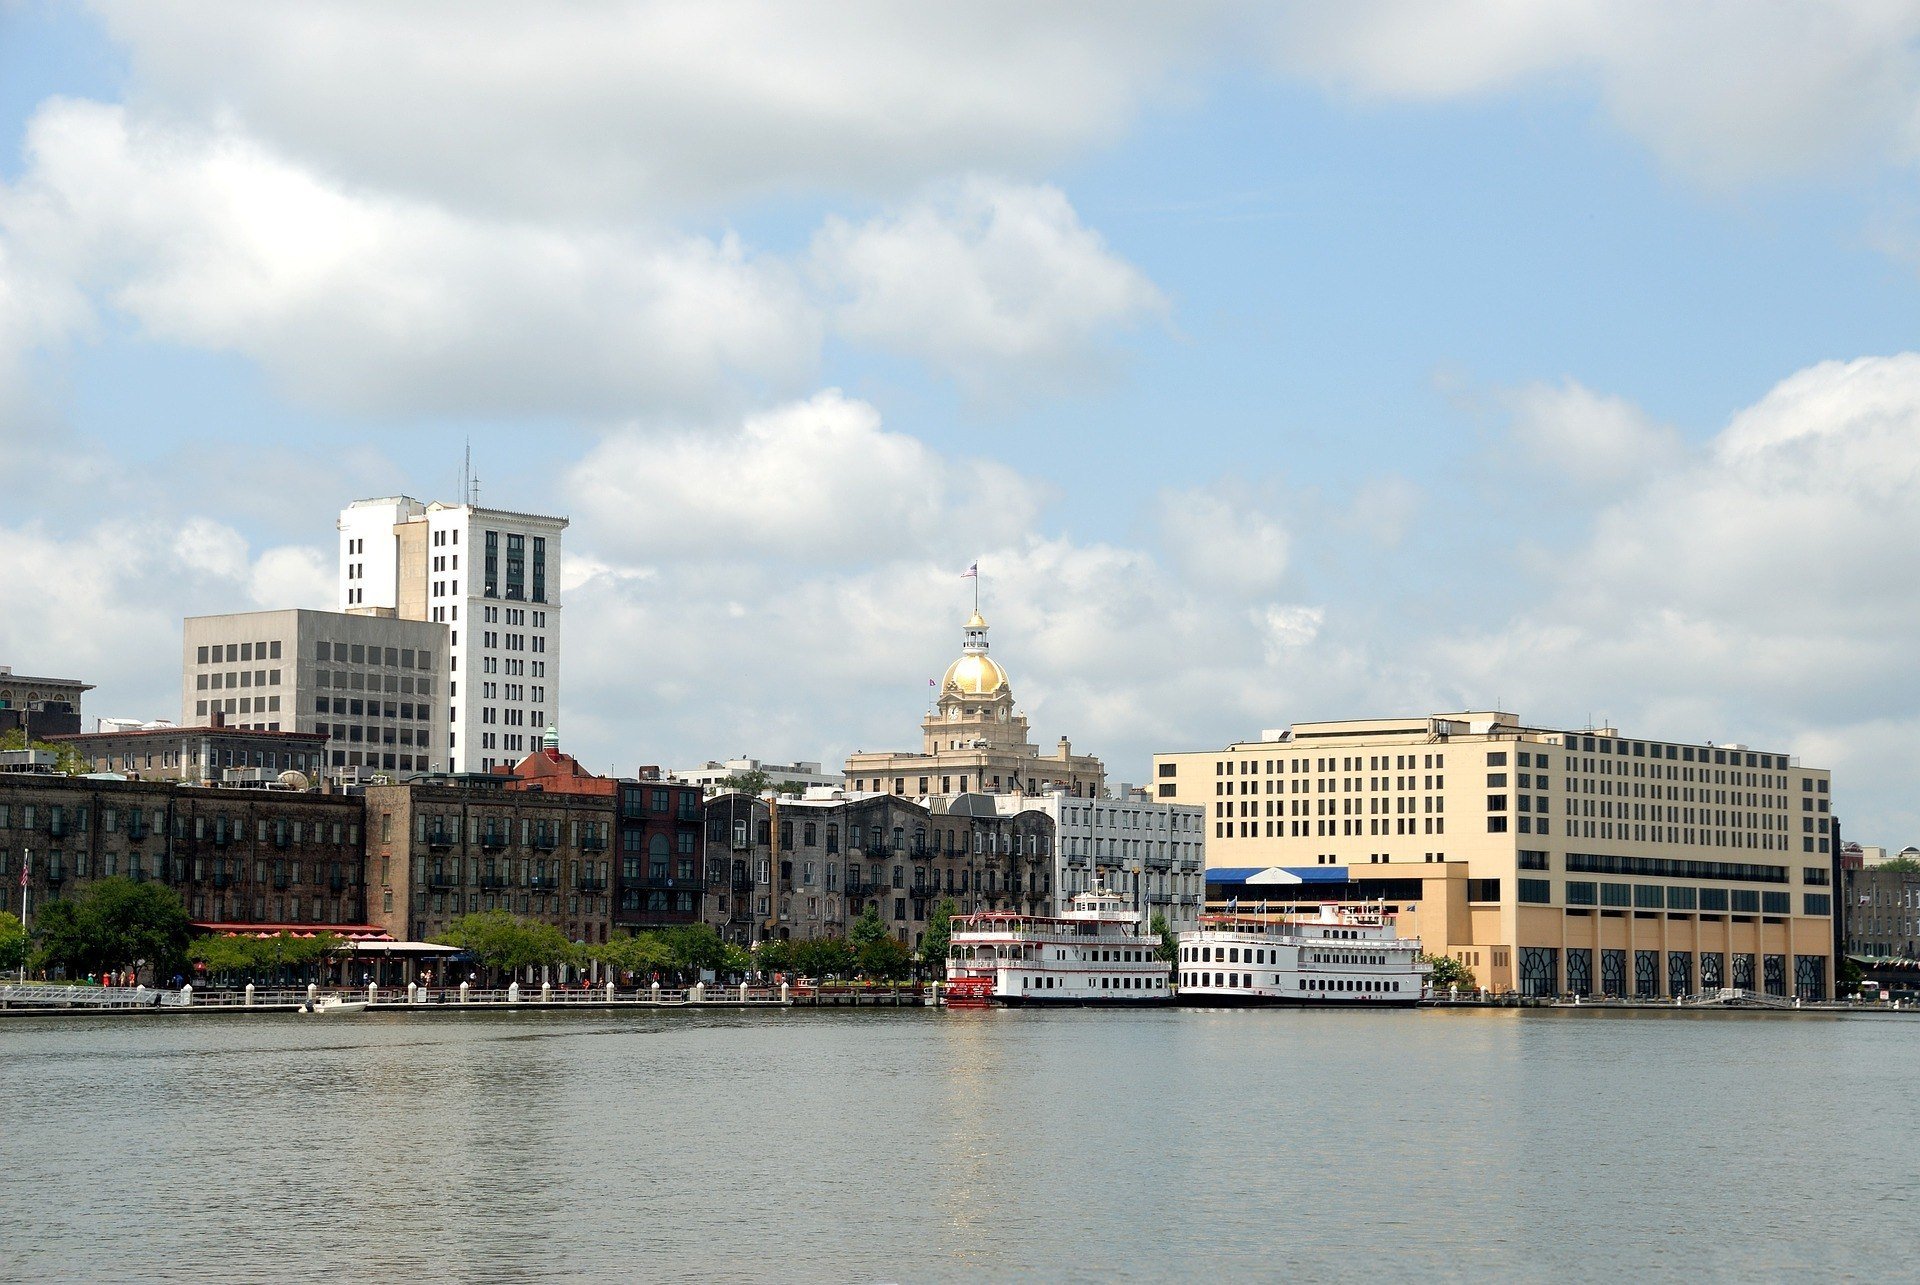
<point>975,673</point>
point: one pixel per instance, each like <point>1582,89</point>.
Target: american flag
<point>971,573</point>
<point>26,864</point>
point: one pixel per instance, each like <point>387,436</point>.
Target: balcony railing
<point>494,882</point>
<point>492,841</point>
<point>546,842</point>
<point>593,845</point>
<point>543,883</point>
<point>439,839</point>
<point>585,884</point>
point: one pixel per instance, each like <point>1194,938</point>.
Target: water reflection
<point>925,1145</point>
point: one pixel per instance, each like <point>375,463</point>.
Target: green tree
<point>867,929</point>
<point>754,783</point>
<point>939,934</point>
<point>641,954</point>
<point>884,960</point>
<point>696,948</point>
<point>774,955</point>
<point>792,788</point>
<point>115,923</point>
<point>13,942</point>
<point>66,758</point>
<point>735,961</point>
<point>505,944</point>
<point>1900,865</point>
<point>1848,976</point>
<point>1169,948</point>
<point>1448,971</point>
<point>835,957</point>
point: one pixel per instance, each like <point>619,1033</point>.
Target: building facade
<point>44,707</point>
<point>1151,852</point>
<point>492,578</point>
<point>236,856</point>
<point>661,876</point>
<point>803,869</point>
<point>375,687</point>
<point>439,848</point>
<point>203,755</point>
<point>1882,910</point>
<point>1549,861</point>
<point>976,742</point>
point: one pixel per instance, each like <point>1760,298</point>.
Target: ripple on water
<point>928,1145</point>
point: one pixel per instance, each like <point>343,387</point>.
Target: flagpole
<point>26,929</point>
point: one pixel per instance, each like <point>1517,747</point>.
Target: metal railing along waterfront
<point>48,995</point>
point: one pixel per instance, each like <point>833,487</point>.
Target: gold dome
<point>976,621</point>
<point>975,674</point>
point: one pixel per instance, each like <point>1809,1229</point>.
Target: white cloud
<point>617,107</point>
<point>1725,92</point>
<point>292,576</point>
<point>1588,437</point>
<point>362,301</point>
<point>1227,535</point>
<point>811,481</point>
<point>983,279</point>
<point>108,597</point>
<point>1760,590</point>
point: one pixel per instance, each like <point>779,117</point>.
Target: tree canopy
<point>114,923</point>
<point>67,759</point>
<point>1900,865</point>
<point>13,942</point>
<point>1169,948</point>
<point>868,928</point>
<point>261,956</point>
<point>1448,971</point>
<point>506,943</point>
<point>939,934</point>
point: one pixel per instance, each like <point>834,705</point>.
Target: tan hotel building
<point>1548,861</point>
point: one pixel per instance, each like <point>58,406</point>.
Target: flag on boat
<point>971,573</point>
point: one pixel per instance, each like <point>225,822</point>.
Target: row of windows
<point>59,819</point>
<point>370,654</point>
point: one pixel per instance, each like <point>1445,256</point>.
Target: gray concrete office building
<point>374,685</point>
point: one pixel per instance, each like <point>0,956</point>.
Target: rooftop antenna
<point>469,484</point>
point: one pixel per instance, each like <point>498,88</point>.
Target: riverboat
<point>1097,952</point>
<point>1342,956</point>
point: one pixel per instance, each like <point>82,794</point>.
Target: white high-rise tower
<point>493,578</point>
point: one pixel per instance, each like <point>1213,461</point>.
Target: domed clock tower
<point>975,741</point>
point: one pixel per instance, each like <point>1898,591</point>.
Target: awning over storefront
<point>352,932</point>
<point>1271,876</point>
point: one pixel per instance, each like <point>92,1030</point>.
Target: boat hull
<point>1244,999</point>
<point>1089,1001</point>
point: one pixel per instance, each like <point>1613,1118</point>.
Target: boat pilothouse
<point>1098,952</point>
<point>1342,956</point>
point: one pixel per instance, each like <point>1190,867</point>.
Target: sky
<point>1275,363</point>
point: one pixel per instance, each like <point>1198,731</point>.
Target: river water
<point>923,1145</point>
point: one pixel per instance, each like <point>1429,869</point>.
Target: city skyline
<point>1273,369</point>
